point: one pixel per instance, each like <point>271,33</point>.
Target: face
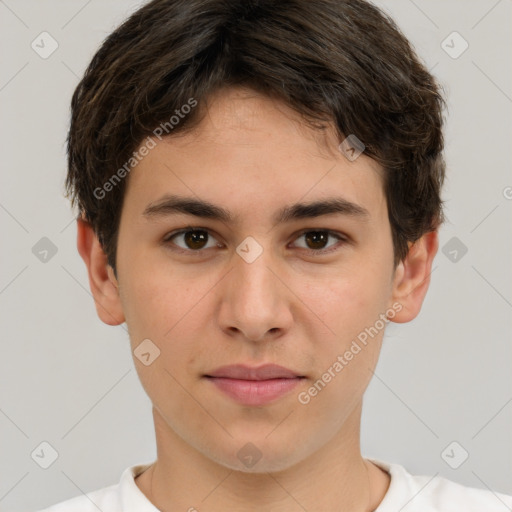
<point>302,292</point>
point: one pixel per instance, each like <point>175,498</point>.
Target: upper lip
<point>263,372</point>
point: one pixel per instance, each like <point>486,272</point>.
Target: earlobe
<point>103,284</point>
<point>412,277</point>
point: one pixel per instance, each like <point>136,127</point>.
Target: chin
<point>258,456</point>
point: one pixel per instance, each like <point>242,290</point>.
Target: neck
<point>335,477</point>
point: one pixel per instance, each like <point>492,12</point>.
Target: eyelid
<point>320,252</point>
<point>167,239</point>
<point>344,239</point>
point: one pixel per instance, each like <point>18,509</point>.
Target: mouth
<point>263,372</point>
<point>254,386</point>
<point>255,392</point>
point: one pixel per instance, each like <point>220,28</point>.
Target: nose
<point>255,299</point>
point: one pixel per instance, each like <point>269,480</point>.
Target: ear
<point>103,284</point>
<point>412,277</point>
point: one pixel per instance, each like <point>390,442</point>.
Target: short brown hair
<point>339,61</point>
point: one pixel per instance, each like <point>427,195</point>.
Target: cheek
<point>165,310</point>
<point>348,343</point>
<point>151,306</point>
<point>348,305</point>
<point>169,308</point>
<point>346,301</point>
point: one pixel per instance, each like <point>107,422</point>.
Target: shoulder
<point>125,496</point>
<point>422,493</point>
<point>444,494</point>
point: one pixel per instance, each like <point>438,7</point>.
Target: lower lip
<point>255,392</point>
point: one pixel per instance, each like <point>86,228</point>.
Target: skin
<point>252,156</point>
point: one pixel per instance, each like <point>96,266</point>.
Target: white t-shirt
<point>406,493</point>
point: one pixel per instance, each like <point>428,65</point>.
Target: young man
<point>258,186</point>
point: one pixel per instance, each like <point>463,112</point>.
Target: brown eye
<point>194,240</point>
<point>316,240</point>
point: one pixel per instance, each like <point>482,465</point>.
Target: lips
<point>264,372</point>
<point>251,386</point>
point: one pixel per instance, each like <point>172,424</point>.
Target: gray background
<point>69,380</point>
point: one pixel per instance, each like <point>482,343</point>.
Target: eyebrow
<point>172,205</point>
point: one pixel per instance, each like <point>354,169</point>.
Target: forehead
<point>253,151</point>
<point>234,115</point>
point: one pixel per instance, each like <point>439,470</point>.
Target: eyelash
<point>311,252</point>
